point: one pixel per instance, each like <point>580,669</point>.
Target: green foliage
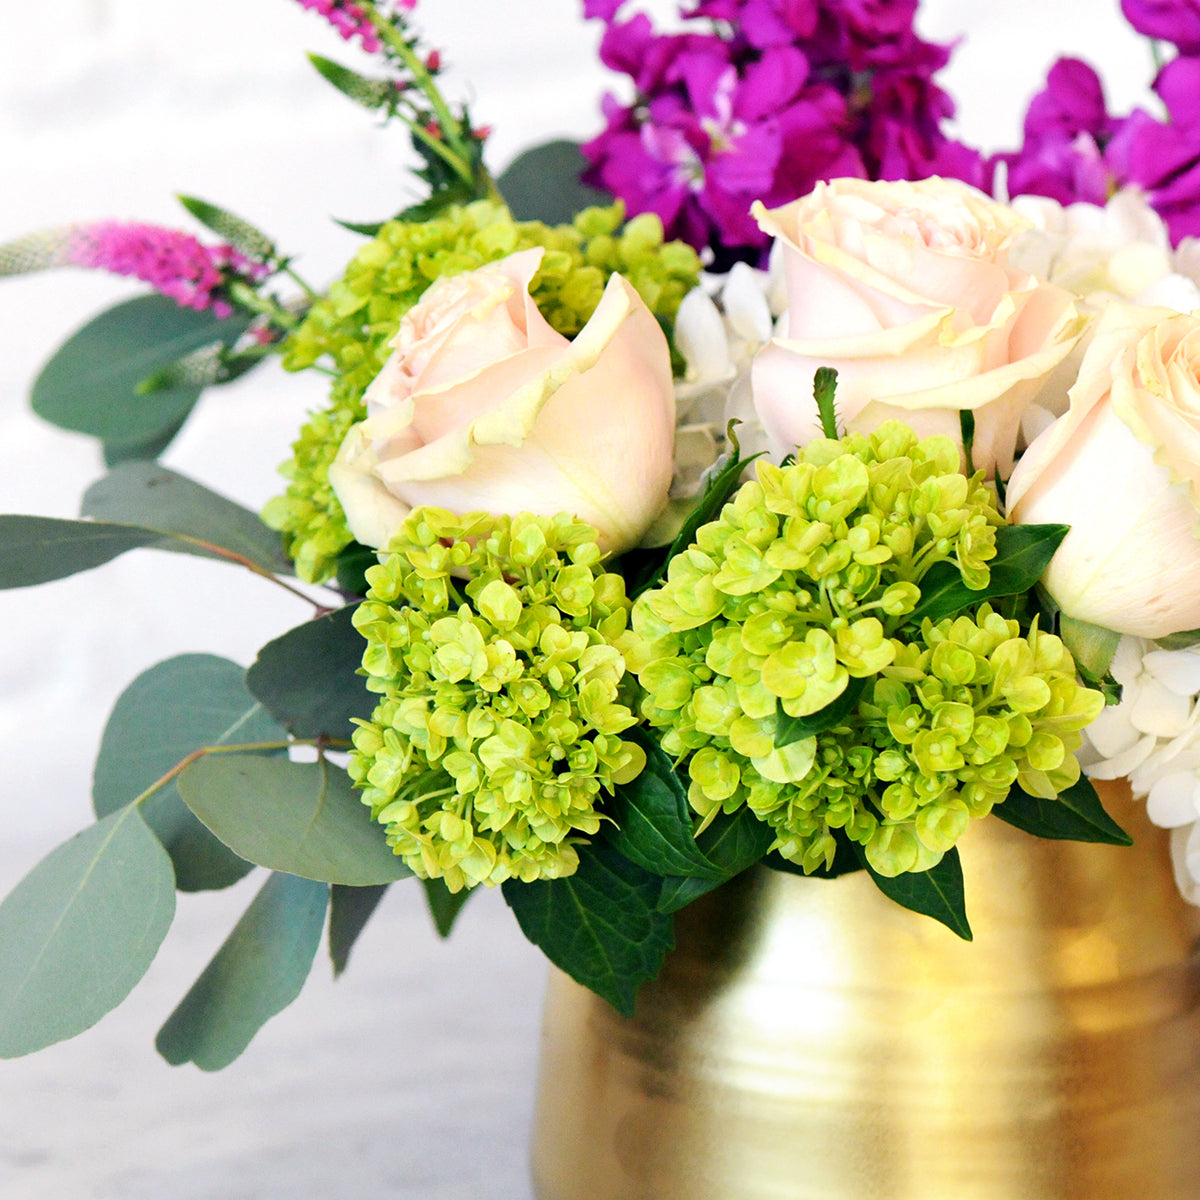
<point>1091,646</point>
<point>543,184</point>
<point>308,678</point>
<point>1023,552</point>
<point>825,395</point>
<point>40,549</point>
<point>936,892</point>
<point>732,842</point>
<point>350,328</point>
<point>258,971</point>
<point>302,818</point>
<point>652,821</point>
<point>153,496</point>
<point>167,713</point>
<point>350,908</point>
<point>91,383</point>
<point>80,930</point>
<point>601,925</point>
<point>502,702</point>
<point>236,232</point>
<point>372,94</point>
<point>1076,815</point>
<point>444,905</point>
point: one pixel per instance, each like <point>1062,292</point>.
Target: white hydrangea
<point>1153,736</point>
<point>719,328</point>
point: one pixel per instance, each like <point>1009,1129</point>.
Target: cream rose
<point>483,405</point>
<point>1122,468</point>
<point>905,290</point>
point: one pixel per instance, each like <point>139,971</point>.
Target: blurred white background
<point>413,1077</point>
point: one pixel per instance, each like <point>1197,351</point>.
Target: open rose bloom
<point>905,289</point>
<point>483,406</point>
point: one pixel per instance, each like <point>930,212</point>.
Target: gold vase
<point>809,1040</point>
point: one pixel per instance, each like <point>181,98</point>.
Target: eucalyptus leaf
<point>165,714</point>
<point>601,925</point>
<point>80,930</point>
<point>155,497</point>
<point>308,677</point>
<point>302,818</point>
<point>258,971</point>
<point>1076,815</point>
<point>37,550</point>
<point>90,384</point>
<point>444,905</point>
<point>543,184</point>
<point>733,842</point>
<point>142,449</point>
<point>653,820</point>
<point>936,893</point>
<point>1023,552</point>
<point>794,729</point>
<point>350,908</point>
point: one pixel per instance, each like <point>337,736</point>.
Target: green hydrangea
<point>801,590</point>
<point>348,329</point>
<point>492,642</point>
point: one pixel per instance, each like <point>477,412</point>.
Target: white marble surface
<point>413,1075</point>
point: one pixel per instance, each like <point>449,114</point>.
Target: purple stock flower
<point>772,97</point>
<point>1176,21</point>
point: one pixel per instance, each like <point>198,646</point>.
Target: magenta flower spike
<point>351,20</point>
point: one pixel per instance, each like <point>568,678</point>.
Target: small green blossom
<point>493,644</point>
<point>804,583</point>
<point>349,329</point>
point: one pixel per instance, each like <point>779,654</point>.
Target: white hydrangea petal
<point>1127,660</point>
<point>1112,732</point>
<point>1122,764</point>
<point>1157,710</point>
<point>745,302</point>
<point>1171,291</point>
<point>1185,858</point>
<point>1178,670</point>
<point>1131,218</point>
<point>1171,802</point>
<point>701,338</point>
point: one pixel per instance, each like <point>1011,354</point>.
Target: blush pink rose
<point>1122,468</point>
<point>905,290</point>
<point>483,406</point>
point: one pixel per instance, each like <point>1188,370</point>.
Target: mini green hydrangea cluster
<point>351,326</point>
<point>491,640</point>
<point>799,594</point>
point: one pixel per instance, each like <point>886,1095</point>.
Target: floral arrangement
<point>764,513</point>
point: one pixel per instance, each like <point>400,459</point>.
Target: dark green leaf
<point>350,909</point>
<point>825,395</point>
<point>165,714</point>
<point>444,905</point>
<point>90,385</point>
<point>155,497</point>
<point>936,893</point>
<point>1076,815</point>
<point>733,843</point>
<point>793,729</point>
<point>80,930</point>
<point>543,184</point>
<point>258,972</point>
<point>1179,641</point>
<point>721,485</point>
<point>1022,554</point>
<point>601,925</point>
<point>307,678</point>
<point>302,818</point>
<point>654,826</point>
<point>353,562</point>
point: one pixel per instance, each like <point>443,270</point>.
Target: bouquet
<point>779,497</point>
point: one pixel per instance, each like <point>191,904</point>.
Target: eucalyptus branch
<point>322,742</point>
<point>242,561</point>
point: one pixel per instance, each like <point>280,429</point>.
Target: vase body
<point>809,1040</point>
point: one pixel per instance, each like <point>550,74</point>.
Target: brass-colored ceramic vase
<point>808,1040</point>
